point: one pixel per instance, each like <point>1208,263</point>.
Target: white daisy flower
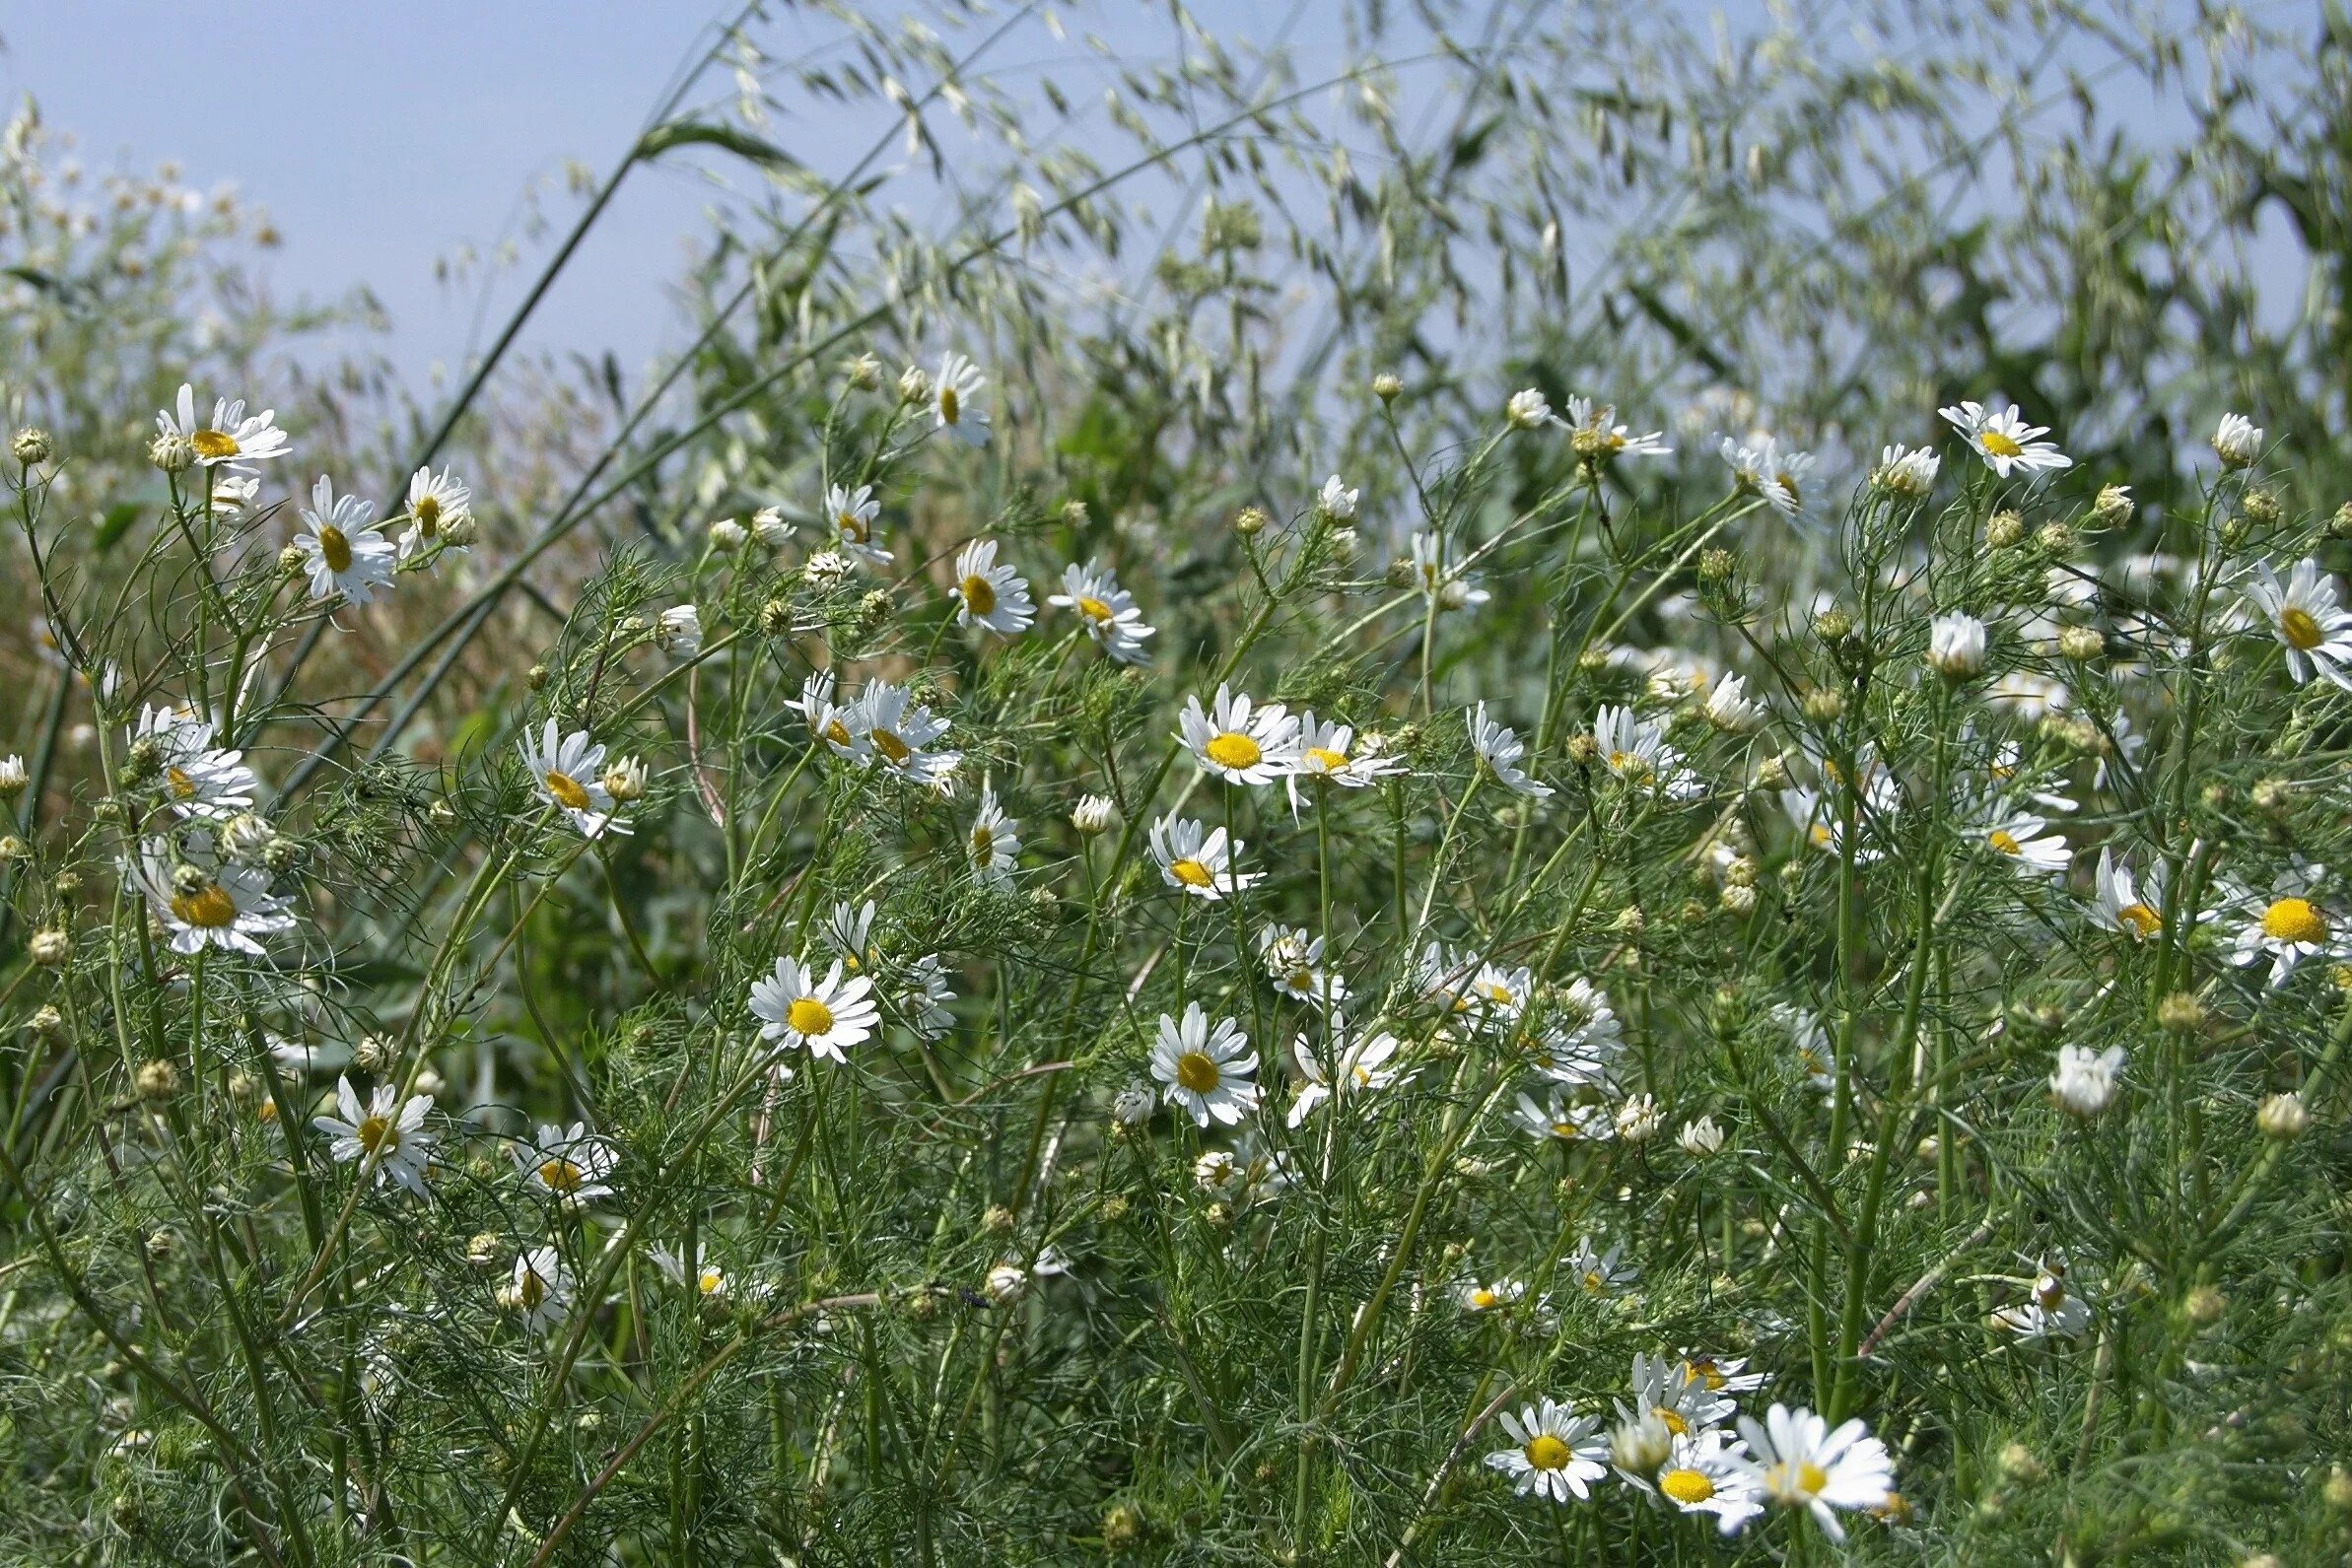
<point>1556,1454</point>
<point>437,503</point>
<point>848,931</point>
<point>1581,1035</point>
<point>927,995</point>
<point>1750,466</point>
<point>13,778</point>
<point>2121,905</point>
<point>1326,751</point>
<point>385,1138</point>
<point>2051,1312</point>
<point>2314,630</point>
<point>1198,861</point>
<point>1633,750</point>
<point>887,723</point>
<point>956,400</point>
<point>1800,1463</point>
<point>822,1016</point>
<point>198,780</point>
<point>1597,1272</point>
<point>2237,442</point>
<point>993,846</point>
<point>710,1281</point>
<point>571,1165</point>
<point>343,551</point>
<point>827,720</point>
<point>1477,1296</point>
<point>1527,409</point>
<point>1336,500</point>
<point>851,514</point>
<point>2005,441</point>
<point>1204,1072</point>
<point>1239,741</point>
<point>540,1288</point>
<point>1955,646</point>
<point>1560,1118</point>
<point>679,632</point>
<point>988,594</point>
<point>1730,709</point>
<point>1106,610</point>
<point>203,901</point>
<point>1451,587</point>
<point>1904,472</point>
<point>1361,1065</point>
<point>1700,1139</point>
<point>1785,478</point>
<point>1670,1391</point>
<point>1293,960</point>
<point>1500,749</point>
<point>568,773</point>
<point>1709,1473</point>
<point>1595,434</point>
<point>1497,996</point>
<point>2288,926</point>
<point>2018,839</point>
<point>1725,1374</point>
<point>231,437</point>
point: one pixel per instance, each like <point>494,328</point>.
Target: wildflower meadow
<point>1516,784</point>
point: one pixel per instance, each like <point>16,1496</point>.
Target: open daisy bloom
<point>850,515</point>
<point>568,773</point>
<point>1293,960</point>
<point>438,506</point>
<point>1361,1066</point>
<point>2289,926</point>
<point>1708,1472</point>
<point>231,437</point>
<point>1561,1118</point>
<point>1204,1072</point>
<point>2120,905</point>
<point>2005,441</point>
<point>707,1279</point>
<point>539,1289</point>
<point>992,845</point>
<point>2018,837</point>
<point>197,780</point>
<point>1681,1401</point>
<point>956,400</point>
<point>888,725</point>
<point>1500,749</point>
<point>2314,630</point>
<point>1798,1462</point>
<point>1326,752</point>
<point>1595,436</point>
<point>342,550</point>
<point>1238,741</point>
<point>385,1138</point>
<point>1106,611</point>
<point>990,594</point>
<point>823,1016</point>
<point>1198,861</point>
<point>1554,1453</point>
<point>573,1165</point>
<point>204,901</point>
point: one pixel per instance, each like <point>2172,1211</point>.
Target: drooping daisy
<point>1500,749</point>
<point>571,1165</point>
<point>198,780</point>
<point>822,1016</point>
<point>850,515</point>
<point>1239,741</point>
<point>2288,926</point>
<point>1556,1454</point>
<point>540,1288</point>
<point>1560,1120</point>
<point>568,773</point>
<point>1452,587</point>
<point>1597,1272</point>
<point>1360,1064</point>
<point>1725,1374</point>
<point>677,632</point>
<point>1785,478</point>
<point>956,400</point>
<point>343,550</point>
<point>891,726</point>
<point>1800,1463</point>
<point>1106,611</point>
<point>386,1137</point>
<point>2052,1311</point>
<point>1907,473</point>
<point>435,503</point>
<point>990,594</point>
<point>928,995</point>
<point>708,1279</point>
<point>1731,709</point>
<point>848,931</point>
<point>1293,960</point>
<point>1709,1473</point>
<point>1198,861</point>
<point>1596,436</point>
<point>1205,1072</point>
<point>2121,905</point>
<point>205,901</point>
<point>2005,441</point>
<point>2311,627</point>
<point>231,437</point>
<point>1751,465</point>
<point>828,721</point>
<point>2085,1081</point>
<point>993,846</point>
<point>1581,1035</point>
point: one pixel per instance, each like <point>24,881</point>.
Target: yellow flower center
<point>530,1290</point>
<point>2294,921</point>
<point>559,1175</point>
<point>808,1016</point>
<point>567,791</point>
<point>1998,445</point>
<point>1799,1480</point>
<point>1196,1070</point>
<point>1547,1452</point>
<point>1564,1129</point>
<point>980,594</point>
<point>2143,921</point>
<point>710,1281</point>
<point>852,527</point>
<point>1192,874</point>
<point>1593,1282</point>
<point>984,845</point>
<point>1482,1299</point>
<point>2299,628</point>
<point>1232,749</point>
<point>1673,1421</point>
<point>427,516</point>
<point>334,548</point>
<point>183,788</point>
<point>950,406</point>
<point>1686,1487</point>
<point>1328,759</point>
<point>1094,609</point>
<point>1702,1370</point>
<point>1790,487</point>
<point>377,1135</point>
<point>210,905</point>
<point>214,443</point>
<point>837,732</point>
<point>2004,840</point>
<point>886,742</point>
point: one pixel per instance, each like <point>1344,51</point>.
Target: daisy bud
<point>13,778</point>
<point>66,885</point>
<point>1638,1118</point>
<point>2237,442</point>
<point>173,455</point>
<point>2020,1464</point>
<point>1737,901</point>
<point>461,531</point>
<point>1717,565</point>
<point>482,1248</point>
<point>625,780</point>
<point>1123,1528</point>
<point>1250,522</point>
<point>2341,524</point>
<point>776,617</point>
<point>248,837</point>
<point>431,1083</point>
<point>2272,796</point>
<point>2003,530</point>
<point>727,534</point>
<point>32,446</point>
<point>1073,514</point>
<point>1527,410</point>
<point>373,1053</point>
<point>1343,544</point>
<point>866,373</point>
<point>1132,1104</point>
<point>283,855</point>
<point>2114,507</point>
<point>1386,386</point>
<point>1218,1216</point>
<point>2081,644</point>
<point>47,1022</point>
<point>12,848</point>
<point>1640,1446</point>
<point>913,386</point>
<point>2205,1306</point>
<point>1628,921</point>
<point>291,561</point>
<point>2282,1117</point>
<point>2055,538</point>
<point>679,632</point>
<point>1700,1139</point>
<point>1583,750</point>
<point>1824,705</point>
<point>1955,646</point>
<point>51,947</point>
<point>535,677</point>
<point>1833,625</point>
<point>769,528</point>
<point>2261,507</point>
<point>157,1079</point>
<point>1092,815</point>
<point>1772,774</point>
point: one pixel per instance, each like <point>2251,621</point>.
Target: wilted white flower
<point>2085,1081</point>
<point>1955,646</point>
<point>2237,442</point>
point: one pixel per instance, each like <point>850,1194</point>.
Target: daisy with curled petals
<point>851,514</point>
<point>1557,1119</point>
<point>1556,1453</point>
<point>1595,436</point>
<point>203,900</point>
<point>1799,1461</point>
<point>2085,1083</point>
<point>990,594</point>
<point>1499,747</point>
<point>2290,925</point>
<point>956,400</point>
<point>677,632</point>
<point>1724,1374</point>
<point>821,1016</point>
<point>1633,751</point>
<point>925,1004</point>
<point>828,721</point>
<point>1239,741</point>
<point>1205,1071</point>
<point>992,845</point>
<point>436,502</point>
<point>1293,960</point>
<point>571,1165</point>
<point>385,1138</point>
<point>569,774</point>
<point>2017,837</point>
<point>848,931</point>
<point>2121,905</point>
<point>230,438</point>
<point>539,1289</point>
<point>708,1278</point>
<point>888,724</point>
<point>1326,751</point>
<point>1707,1473</point>
<point>1668,1390</point>
<point>1904,472</point>
<point>2005,441</point>
<point>2050,1312</point>
<point>1445,973</point>
<point>2314,630</point>
<point>1336,500</point>
<point>1198,861</point>
<point>1597,1272</point>
<point>1361,1065</point>
<point>342,550</point>
<point>1452,587</point>
<point>1105,610</point>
